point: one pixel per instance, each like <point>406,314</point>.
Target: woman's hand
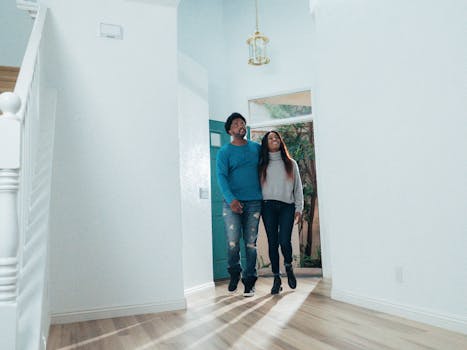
<point>298,217</point>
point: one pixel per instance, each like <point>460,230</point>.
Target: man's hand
<point>236,206</point>
<point>298,216</point>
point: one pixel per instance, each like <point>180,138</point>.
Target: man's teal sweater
<point>237,172</point>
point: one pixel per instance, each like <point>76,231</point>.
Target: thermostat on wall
<point>111,31</point>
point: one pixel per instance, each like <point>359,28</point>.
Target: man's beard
<point>240,134</point>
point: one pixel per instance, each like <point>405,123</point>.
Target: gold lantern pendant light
<point>257,44</point>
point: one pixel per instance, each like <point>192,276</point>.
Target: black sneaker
<point>291,280</point>
<point>234,279</point>
<point>249,283</point>
<point>277,285</point>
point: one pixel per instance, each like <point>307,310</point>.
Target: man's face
<point>238,128</point>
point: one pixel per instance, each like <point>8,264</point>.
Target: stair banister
<point>10,141</point>
<point>23,246</point>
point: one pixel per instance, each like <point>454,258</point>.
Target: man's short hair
<point>231,118</point>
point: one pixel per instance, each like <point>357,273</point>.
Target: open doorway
<point>291,115</point>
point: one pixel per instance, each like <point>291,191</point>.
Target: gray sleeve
<point>298,189</point>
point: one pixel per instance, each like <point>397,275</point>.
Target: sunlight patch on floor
<point>288,302</point>
<point>106,335</point>
<point>196,323</point>
<point>231,322</point>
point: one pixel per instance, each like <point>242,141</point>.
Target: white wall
<point>116,233</point>
<point>15,28</point>
<point>195,174</point>
<point>287,24</point>
<point>201,38</point>
<point>390,139</point>
<point>214,34</point>
<point>391,133</point>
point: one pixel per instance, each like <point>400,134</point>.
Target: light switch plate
<point>215,139</point>
<point>203,193</point>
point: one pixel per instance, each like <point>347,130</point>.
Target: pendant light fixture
<point>257,44</point>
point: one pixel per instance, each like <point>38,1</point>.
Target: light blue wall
<point>15,28</point>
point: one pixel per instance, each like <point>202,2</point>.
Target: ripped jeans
<point>245,225</point>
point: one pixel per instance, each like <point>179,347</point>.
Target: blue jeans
<point>242,225</point>
<point>278,219</point>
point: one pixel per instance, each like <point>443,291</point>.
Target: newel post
<point>10,145</point>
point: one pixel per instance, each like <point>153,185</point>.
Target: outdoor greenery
<point>309,261</point>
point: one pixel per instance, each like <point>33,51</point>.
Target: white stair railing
<point>26,149</point>
<point>10,132</point>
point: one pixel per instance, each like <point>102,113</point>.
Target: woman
<point>282,203</point>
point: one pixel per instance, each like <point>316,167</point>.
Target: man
<point>237,175</point>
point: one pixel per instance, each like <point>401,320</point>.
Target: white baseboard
<point>45,331</point>
<point>453,323</point>
<point>199,288</point>
<point>119,311</point>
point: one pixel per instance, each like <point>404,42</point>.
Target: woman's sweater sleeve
<point>298,189</point>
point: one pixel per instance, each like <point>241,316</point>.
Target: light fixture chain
<point>257,44</point>
<point>257,27</point>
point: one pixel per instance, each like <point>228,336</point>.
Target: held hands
<point>298,217</point>
<point>236,206</point>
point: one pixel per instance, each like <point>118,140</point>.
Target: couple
<point>258,180</point>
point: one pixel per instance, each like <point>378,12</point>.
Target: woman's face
<point>274,142</point>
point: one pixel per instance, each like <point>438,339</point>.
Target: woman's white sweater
<point>278,186</point>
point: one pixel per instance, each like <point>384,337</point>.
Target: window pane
<point>277,107</point>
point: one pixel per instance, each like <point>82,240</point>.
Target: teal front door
<point>219,242</point>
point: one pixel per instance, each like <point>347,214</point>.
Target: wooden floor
<point>8,77</point>
<point>301,319</point>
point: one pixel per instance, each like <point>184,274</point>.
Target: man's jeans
<point>278,219</point>
<point>242,225</point>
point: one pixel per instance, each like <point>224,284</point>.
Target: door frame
<point>324,235</point>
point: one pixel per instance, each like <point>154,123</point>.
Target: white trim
<point>199,288</point>
<point>27,69</point>
<point>45,332</point>
<point>285,121</point>
<point>119,311</point>
<point>278,121</point>
<point>455,323</point>
<point>325,239</point>
<point>279,93</point>
<point>28,5</point>
<point>170,3</point>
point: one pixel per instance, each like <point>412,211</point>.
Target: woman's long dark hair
<point>264,157</point>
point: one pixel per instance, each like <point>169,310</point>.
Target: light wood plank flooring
<point>8,77</point>
<point>301,319</point>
